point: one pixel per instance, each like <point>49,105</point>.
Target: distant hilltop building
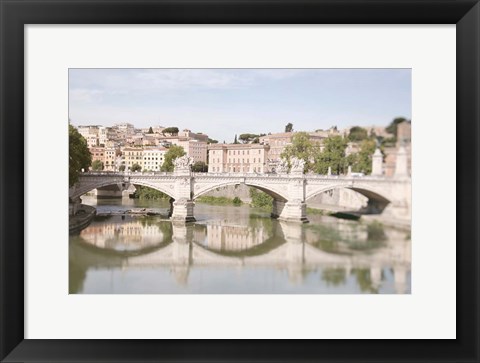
<point>123,144</point>
<point>403,144</point>
<point>279,141</point>
<point>238,158</point>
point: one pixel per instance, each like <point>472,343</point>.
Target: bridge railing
<point>232,175</point>
<point>126,173</point>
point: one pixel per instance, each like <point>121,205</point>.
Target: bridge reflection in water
<point>126,254</point>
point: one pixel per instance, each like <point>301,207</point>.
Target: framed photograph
<point>246,181</point>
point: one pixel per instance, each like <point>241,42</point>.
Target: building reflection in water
<point>331,255</point>
<point>125,234</point>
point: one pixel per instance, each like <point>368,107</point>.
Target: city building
<point>110,157</point>
<point>98,153</point>
<point>195,149</point>
<point>238,158</point>
<point>89,133</point>
<point>404,139</point>
<point>133,155</point>
<point>277,143</point>
<point>124,129</point>
<point>153,158</point>
<point>404,133</point>
<point>186,133</point>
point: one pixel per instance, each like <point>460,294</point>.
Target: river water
<point>234,250</point>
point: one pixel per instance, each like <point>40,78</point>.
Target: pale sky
<point>225,102</point>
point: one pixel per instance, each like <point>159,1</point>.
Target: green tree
<point>301,147</point>
<point>392,128</point>
<point>78,153</point>
<point>170,130</point>
<point>173,152</point>
<point>362,160</point>
<point>260,199</point>
<point>143,192</point>
<point>333,155</point>
<point>200,167</point>
<point>235,141</point>
<point>352,160</point>
<point>97,165</point>
<point>121,168</point>
<point>289,127</point>
<point>357,133</point>
<point>247,138</point>
<point>150,130</point>
<point>136,167</point>
<point>212,141</point>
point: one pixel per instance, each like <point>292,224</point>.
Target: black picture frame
<point>16,13</point>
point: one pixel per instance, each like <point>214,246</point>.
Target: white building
<point>153,158</point>
<point>238,158</point>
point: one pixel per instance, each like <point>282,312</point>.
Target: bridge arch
<point>162,189</point>
<point>103,183</point>
<point>270,244</point>
<point>275,194</point>
<point>377,200</point>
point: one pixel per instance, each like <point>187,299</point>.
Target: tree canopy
<point>357,134</point>
<point>248,138</point>
<point>392,127</point>
<point>362,161</point>
<point>97,165</point>
<point>200,167</point>
<point>79,155</point>
<point>301,147</point>
<point>136,167</point>
<point>289,127</point>
<point>150,130</point>
<point>333,155</point>
<point>170,130</point>
<point>173,152</point>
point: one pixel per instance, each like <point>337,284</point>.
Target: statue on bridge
<point>298,165</point>
<point>183,163</point>
<point>282,166</point>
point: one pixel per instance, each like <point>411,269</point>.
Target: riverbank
<point>81,219</point>
<point>219,200</point>
<point>133,212</point>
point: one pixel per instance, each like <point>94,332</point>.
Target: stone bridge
<point>290,191</point>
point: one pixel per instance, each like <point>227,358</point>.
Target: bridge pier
<point>277,208</point>
<point>183,210</point>
<point>294,211</point>
<point>74,206</point>
<point>109,192</point>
